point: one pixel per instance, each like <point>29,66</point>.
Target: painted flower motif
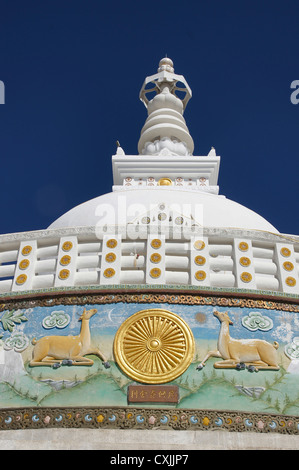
<point>256,321</point>
<point>260,424</point>
<point>57,319</point>
<point>152,419</point>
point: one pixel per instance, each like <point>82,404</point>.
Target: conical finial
<point>119,150</point>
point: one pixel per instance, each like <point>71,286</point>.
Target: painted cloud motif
<point>17,341</point>
<point>57,319</point>
<point>256,321</point>
<point>292,349</point>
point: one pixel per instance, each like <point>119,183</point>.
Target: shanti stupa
<point>161,305</point>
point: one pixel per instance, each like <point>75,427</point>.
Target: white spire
<point>165,129</point>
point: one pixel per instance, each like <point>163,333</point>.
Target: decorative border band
<point>204,290</point>
<point>146,418</point>
<point>83,298</point>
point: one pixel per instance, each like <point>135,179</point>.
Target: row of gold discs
<point>110,258</point>
<point>288,266</point>
<point>23,265</point>
<point>65,260</point>
<point>155,258</point>
<point>199,260</point>
<point>245,262</point>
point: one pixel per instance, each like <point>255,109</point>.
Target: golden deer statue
<point>254,354</point>
<point>67,350</point>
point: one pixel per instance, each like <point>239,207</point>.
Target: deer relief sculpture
<point>69,350</point>
<point>254,354</point>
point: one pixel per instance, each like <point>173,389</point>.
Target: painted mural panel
<point>245,358</point>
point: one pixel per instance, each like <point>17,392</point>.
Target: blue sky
<point>73,70</point>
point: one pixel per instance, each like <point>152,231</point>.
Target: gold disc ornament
<point>26,250</point>
<point>154,346</point>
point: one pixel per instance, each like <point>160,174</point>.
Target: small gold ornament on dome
<point>243,246</point>
<point>155,258</point>
<point>109,272</point>
<point>290,281</point>
<point>155,272</point>
<point>244,261</point>
<point>285,252</point>
<point>112,243</point>
<point>199,260</point>
<point>246,277</point>
<point>65,260</point>
<point>110,257</point>
<point>199,245</point>
<point>288,266</point>
<point>164,182</point>
<point>26,250</point>
<point>21,279</point>
<point>200,275</point>
<point>67,246</point>
<point>156,243</point>
<point>64,274</point>
<point>24,264</point>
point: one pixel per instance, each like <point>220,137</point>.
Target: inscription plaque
<point>153,394</point>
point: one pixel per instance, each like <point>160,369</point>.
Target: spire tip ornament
<point>166,64</point>
<point>165,127</point>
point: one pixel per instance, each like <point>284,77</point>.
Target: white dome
<point>122,207</point>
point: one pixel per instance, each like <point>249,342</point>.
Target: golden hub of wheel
<point>154,346</point>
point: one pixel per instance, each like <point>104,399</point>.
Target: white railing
<point>228,258</point>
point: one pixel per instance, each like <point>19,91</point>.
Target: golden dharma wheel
<point>154,346</point>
